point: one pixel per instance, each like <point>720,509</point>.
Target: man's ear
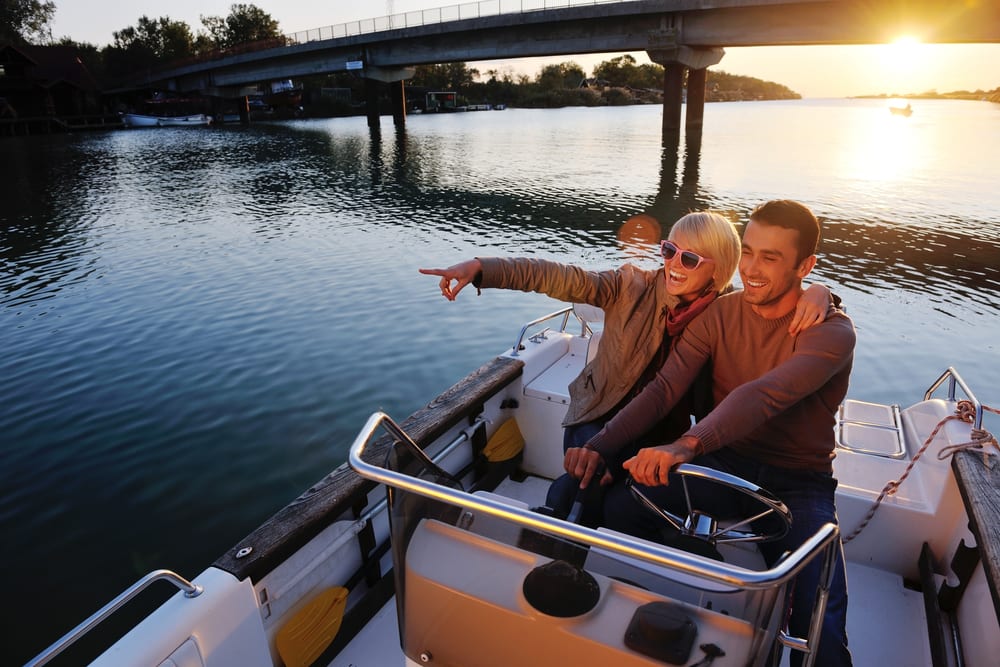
<point>805,266</point>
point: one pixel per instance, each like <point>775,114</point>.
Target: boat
<point>428,546</point>
<point>438,101</point>
<point>163,111</point>
<point>901,111</point>
<point>141,120</point>
<point>184,121</point>
<point>282,93</point>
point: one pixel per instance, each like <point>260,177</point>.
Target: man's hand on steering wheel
<point>583,463</point>
<point>651,466</point>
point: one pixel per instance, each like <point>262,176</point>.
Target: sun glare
<point>904,50</point>
<point>902,62</point>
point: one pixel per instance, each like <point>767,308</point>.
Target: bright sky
<point>812,71</point>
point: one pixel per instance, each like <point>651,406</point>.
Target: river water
<point>196,322</point>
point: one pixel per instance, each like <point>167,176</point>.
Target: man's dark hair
<point>791,215</point>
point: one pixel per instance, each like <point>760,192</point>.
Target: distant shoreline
<point>979,96</point>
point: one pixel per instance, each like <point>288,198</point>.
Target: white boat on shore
<point>424,549</point>
<point>188,120</point>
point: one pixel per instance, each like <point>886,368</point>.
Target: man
<point>775,398</point>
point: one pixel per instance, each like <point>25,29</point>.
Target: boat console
<point>477,574</point>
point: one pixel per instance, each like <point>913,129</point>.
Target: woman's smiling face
<point>684,283</point>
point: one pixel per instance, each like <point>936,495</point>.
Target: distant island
<point>977,96</point>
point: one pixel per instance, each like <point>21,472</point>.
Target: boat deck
<point>881,611</point>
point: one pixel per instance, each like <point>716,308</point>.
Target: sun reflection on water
<point>884,148</point>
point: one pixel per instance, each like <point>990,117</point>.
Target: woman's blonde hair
<point>713,236</point>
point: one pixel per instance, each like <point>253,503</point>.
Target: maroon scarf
<point>679,317</point>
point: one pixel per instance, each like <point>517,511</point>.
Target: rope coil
<point>982,439</point>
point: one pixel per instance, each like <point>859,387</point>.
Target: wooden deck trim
<point>343,489</point>
<point>980,489</point>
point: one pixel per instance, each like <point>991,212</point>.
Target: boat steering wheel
<point>705,527</point>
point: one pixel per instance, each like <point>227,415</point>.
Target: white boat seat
<point>553,384</point>
<point>870,428</point>
<point>546,392</point>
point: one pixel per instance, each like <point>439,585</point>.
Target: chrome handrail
<point>520,337</point>
<point>823,543</point>
<point>956,379</point>
<point>691,564</point>
<point>64,642</point>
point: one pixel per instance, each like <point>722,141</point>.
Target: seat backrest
<point>595,340</point>
<point>590,316</point>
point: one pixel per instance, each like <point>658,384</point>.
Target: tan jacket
<point>635,303</point>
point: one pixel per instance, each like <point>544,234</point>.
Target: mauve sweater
<point>775,395</point>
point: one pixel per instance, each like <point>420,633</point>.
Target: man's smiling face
<point>770,269</point>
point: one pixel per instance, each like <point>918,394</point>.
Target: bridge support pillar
<point>371,102</point>
<point>697,79</point>
<point>676,59</point>
<point>394,77</point>
<point>397,96</point>
<point>244,110</point>
<point>673,88</point>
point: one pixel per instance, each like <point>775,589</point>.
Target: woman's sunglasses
<point>689,260</point>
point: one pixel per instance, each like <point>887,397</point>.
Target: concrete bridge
<point>682,35</point>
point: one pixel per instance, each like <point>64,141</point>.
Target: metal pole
<point>190,591</point>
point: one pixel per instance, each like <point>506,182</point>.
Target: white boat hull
<point>190,120</point>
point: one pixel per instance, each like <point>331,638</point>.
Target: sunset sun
<point>901,63</point>
<point>903,55</point>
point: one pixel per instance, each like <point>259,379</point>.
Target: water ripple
<point>195,324</point>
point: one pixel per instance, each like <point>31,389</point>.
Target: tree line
<point>149,44</point>
<point>618,81</point>
<point>615,82</point>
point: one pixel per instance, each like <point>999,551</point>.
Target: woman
<point>645,310</point>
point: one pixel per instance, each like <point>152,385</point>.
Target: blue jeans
<point>563,491</point>
<point>810,498</point>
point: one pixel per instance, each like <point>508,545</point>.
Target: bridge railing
<point>468,10</point>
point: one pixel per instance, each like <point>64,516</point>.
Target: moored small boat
<point>188,120</point>
<point>185,121</point>
<point>283,93</point>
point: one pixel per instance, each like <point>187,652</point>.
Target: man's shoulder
<point>730,302</point>
<point>842,321</point>
<point>836,332</point>
<point>837,318</point>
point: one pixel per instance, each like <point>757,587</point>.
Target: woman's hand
<point>583,463</point>
<point>462,274</point>
<point>812,308</point>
